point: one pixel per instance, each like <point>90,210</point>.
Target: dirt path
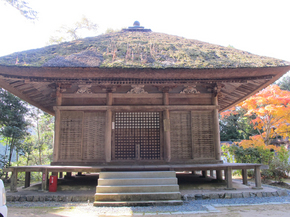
<point>281,210</point>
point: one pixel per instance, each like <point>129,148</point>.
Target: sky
<point>257,26</point>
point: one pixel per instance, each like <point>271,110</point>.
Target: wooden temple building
<point>136,98</point>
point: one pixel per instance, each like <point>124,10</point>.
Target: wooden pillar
<point>258,178</point>
<point>245,176</point>
<point>108,132</point>
<point>13,185</point>
<point>193,172</point>
<point>166,120</point>
<point>219,175</point>
<point>56,136</point>
<point>44,185</point>
<point>27,180</point>
<point>229,179</point>
<point>204,173</point>
<point>60,175</point>
<point>68,175</point>
<point>217,136</point>
<point>211,173</point>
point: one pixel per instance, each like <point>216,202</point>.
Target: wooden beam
<point>137,108</point>
<point>125,95</point>
<point>83,95</point>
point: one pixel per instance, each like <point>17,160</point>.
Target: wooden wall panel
<point>94,136</point>
<point>202,134</point>
<point>180,136</point>
<point>71,123</point>
<point>190,101</point>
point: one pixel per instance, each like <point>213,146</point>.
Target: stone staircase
<point>137,188</point>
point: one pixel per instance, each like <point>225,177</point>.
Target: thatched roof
<point>138,50</point>
<point>135,57</point>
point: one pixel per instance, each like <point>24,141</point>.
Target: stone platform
<point>83,188</point>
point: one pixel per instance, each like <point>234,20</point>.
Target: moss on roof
<point>138,50</point>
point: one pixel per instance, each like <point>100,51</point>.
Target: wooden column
<point>108,132</point>
<point>44,185</point>
<point>258,178</point>
<point>27,180</point>
<point>211,173</point>
<point>56,136</point>
<point>57,125</point>
<point>204,173</point>
<point>217,136</point>
<point>60,175</point>
<point>245,176</point>
<point>229,179</point>
<point>166,120</point>
<point>13,185</point>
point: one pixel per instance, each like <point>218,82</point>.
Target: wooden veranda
<point>226,167</point>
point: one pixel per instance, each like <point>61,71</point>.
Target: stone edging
<point>56,198</point>
<point>233,195</point>
<point>85,198</point>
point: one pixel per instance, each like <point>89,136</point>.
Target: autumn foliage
<point>270,112</point>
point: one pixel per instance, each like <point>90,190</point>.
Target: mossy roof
<point>138,50</point>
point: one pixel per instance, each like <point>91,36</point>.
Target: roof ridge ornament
<point>136,28</point>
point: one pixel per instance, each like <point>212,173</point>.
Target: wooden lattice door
<point>136,136</point>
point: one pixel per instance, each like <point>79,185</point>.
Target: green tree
<point>69,33</point>
<point>12,121</point>
<point>235,126</point>
<point>44,134</point>
<point>24,8</point>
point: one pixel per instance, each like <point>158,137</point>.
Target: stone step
<point>141,174</point>
<point>138,203</point>
<point>137,188</point>
<point>139,196</point>
<point>138,181</point>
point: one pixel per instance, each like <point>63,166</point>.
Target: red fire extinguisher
<point>52,184</point>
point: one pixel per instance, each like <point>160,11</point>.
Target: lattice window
<point>70,135</point>
<point>94,135</point>
<point>180,135</point>
<point>137,135</point>
<point>202,134</point>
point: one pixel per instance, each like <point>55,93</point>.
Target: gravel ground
<point>187,207</point>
